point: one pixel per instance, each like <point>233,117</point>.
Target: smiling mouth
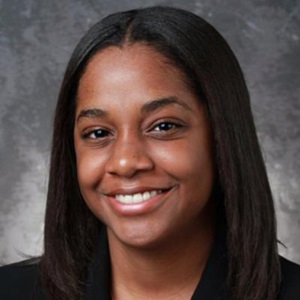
<point>138,197</point>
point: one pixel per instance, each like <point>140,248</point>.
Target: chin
<point>144,238</point>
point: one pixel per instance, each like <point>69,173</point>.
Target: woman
<point>157,186</point>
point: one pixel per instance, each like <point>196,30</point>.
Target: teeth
<point>136,198</point>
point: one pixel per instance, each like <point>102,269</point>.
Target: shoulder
<point>290,280</point>
<point>19,280</point>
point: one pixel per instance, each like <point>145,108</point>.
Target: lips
<point>137,197</point>
<point>138,200</point>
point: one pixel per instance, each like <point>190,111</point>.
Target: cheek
<point>186,161</point>
<point>90,173</point>
<point>90,168</point>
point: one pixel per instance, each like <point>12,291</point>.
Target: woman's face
<point>143,147</point>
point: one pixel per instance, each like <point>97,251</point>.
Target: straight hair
<point>202,54</point>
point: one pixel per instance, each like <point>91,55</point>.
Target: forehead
<point>131,75</point>
<point>127,60</point>
<point>132,52</point>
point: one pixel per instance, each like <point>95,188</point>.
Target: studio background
<point>36,41</point>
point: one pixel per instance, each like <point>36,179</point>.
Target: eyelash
<point>161,127</point>
<point>88,135</point>
<point>168,126</point>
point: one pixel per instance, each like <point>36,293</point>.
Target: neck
<point>171,270</point>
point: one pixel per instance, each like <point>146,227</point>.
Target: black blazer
<point>20,280</point>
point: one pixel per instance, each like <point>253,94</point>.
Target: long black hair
<point>195,47</point>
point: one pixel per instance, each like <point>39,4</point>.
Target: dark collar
<point>98,283</point>
<point>211,285</point>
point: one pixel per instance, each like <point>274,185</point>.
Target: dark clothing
<point>20,280</point>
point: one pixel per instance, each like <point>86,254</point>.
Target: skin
<point>139,127</point>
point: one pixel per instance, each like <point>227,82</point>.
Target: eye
<point>165,126</point>
<point>165,129</point>
<point>98,133</point>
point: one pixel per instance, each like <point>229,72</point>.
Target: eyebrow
<point>163,102</point>
<point>148,107</point>
<point>92,113</point>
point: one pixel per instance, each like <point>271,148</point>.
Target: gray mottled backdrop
<point>36,40</point>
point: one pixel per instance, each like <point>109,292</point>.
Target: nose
<point>128,157</point>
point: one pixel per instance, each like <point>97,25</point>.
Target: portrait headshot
<point>150,150</point>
